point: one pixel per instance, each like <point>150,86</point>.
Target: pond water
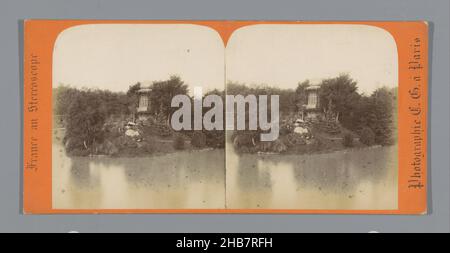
<point>173,181</point>
<point>353,179</point>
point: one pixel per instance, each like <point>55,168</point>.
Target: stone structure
<point>312,107</point>
<point>144,105</point>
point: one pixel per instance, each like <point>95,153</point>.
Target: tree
<point>383,106</point>
<point>63,96</point>
<point>86,114</point>
<point>377,112</point>
<point>162,94</point>
<point>85,121</point>
<point>338,95</point>
<point>133,96</point>
<point>215,138</point>
<point>133,89</point>
<point>362,115</point>
<point>301,96</point>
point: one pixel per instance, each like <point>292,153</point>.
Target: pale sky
<point>115,56</point>
<point>283,55</point>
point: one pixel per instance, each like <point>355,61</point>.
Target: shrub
<point>284,131</point>
<point>215,138</point>
<point>278,146</point>
<point>163,130</point>
<point>367,136</point>
<point>243,139</point>
<point>73,144</point>
<point>293,139</point>
<point>198,139</point>
<point>384,136</point>
<point>148,147</point>
<point>347,141</point>
<point>124,142</point>
<point>152,127</point>
<point>108,148</point>
<point>178,143</point>
<point>327,126</point>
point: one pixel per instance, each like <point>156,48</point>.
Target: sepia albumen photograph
<point>332,103</point>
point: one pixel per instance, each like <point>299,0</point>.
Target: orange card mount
<point>100,117</point>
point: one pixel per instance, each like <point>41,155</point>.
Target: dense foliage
<point>372,117</point>
<point>94,120</point>
<point>85,112</point>
<point>89,116</point>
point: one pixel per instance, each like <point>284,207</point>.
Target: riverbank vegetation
<point>345,118</point>
<point>99,122</point>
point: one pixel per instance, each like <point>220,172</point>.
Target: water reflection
<point>175,181</point>
<point>352,179</point>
